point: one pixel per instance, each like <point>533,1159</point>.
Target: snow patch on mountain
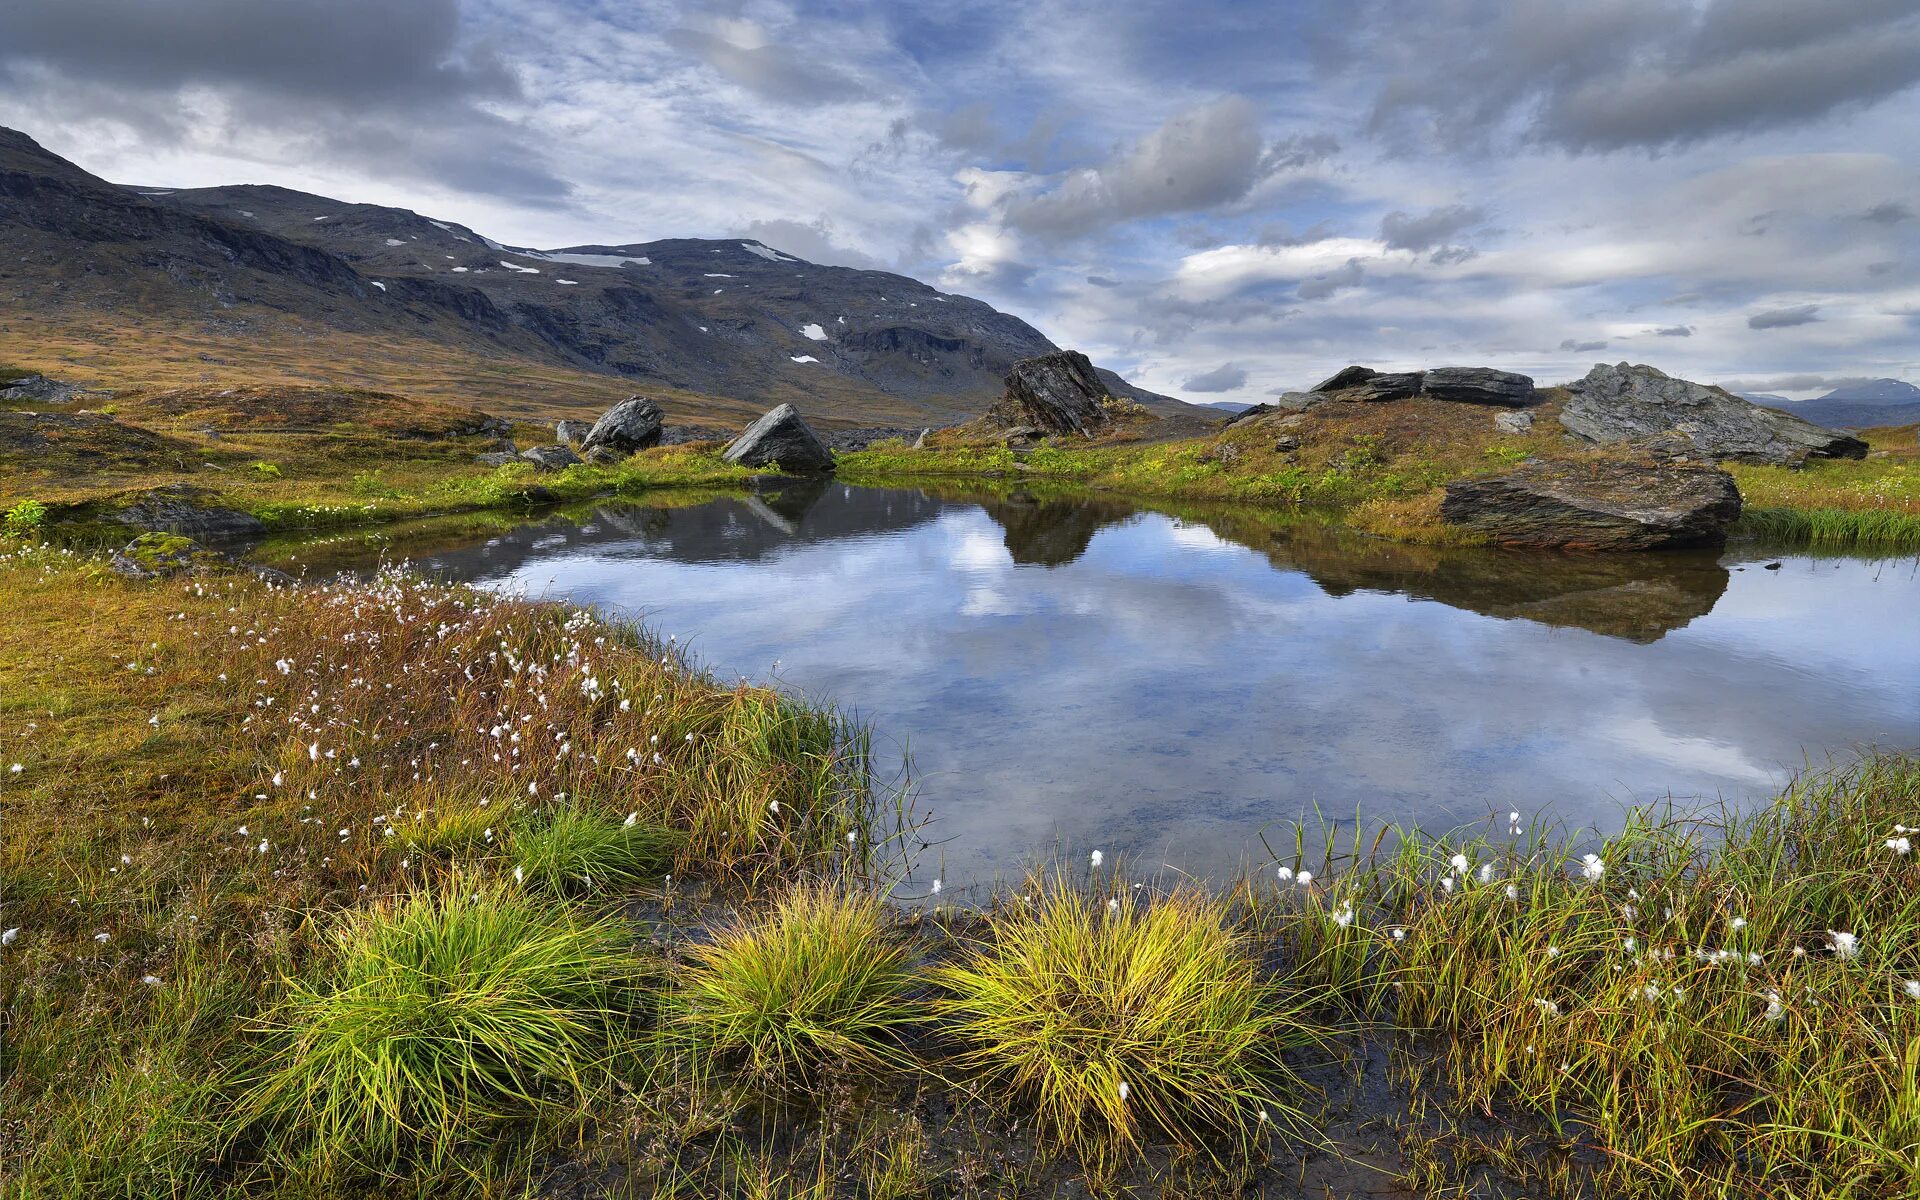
<point>813,333</point>
<point>764,252</point>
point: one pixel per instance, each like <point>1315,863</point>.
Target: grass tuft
<point>576,851</point>
<point>441,1012</point>
<point>1113,1018</point>
<point>815,986</point>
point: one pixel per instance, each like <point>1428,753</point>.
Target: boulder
<point>496,458</point>
<point>780,438</point>
<point>156,555</point>
<point>1624,402</point>
<point>1367,385</point>
<point>180,510</point>
<point>551,458</point>
<point>571,433</point>
<point>1606,504</point>
<point>1057,393</point>
<point>628,427</point>
<point>1478,385</point>
<point>39,390</point>
<point>1513,422</point>
<point>605,456</point>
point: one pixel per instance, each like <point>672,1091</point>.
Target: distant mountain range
<point>729,318</point>
<point>1227,406</point>
<point>1876,402</point>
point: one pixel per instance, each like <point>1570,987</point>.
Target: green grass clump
<point>1838,528</point>
<point>816,985</point>
<point>1726,1008</point>
<point>441,1012</point>
<point>1112,1018</point>
<point>577,851</point>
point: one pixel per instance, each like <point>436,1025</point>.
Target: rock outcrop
<point>551,458</point>
<point>39,389</point>
<point>1464,385</point>
<point>1478,385</point>
<point>780,438</point>
<point>571,433</point>
<point>181,510</point>
<point>1602,504</point>
<point>1622,402</point>
<point>628,427</point>
<point>1057,393</point>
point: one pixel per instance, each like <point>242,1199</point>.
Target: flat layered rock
<point>1368,386</point>
<point>780,439</point>
<point>182,510</point>
<point>1596,505</point>
<point>1478,385</point>
<point>1056,393</point>
<point>1625,402</point>
<point>628,427</point>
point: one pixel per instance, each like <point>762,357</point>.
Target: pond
<point>1071,673</point>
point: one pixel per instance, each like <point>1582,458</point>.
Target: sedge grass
<point>443,1012</point>
<point>1112,1018</point>
<point>575,852</point>
<point>816,985</point>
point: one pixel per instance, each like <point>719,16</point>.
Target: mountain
<point>1877,391</point>
<point>1877,402</point>
<point>1227,406</point>
<point>314,284</point>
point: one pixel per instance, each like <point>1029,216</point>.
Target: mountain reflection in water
<point>1080,671</point>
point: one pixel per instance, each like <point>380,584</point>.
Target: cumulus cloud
<point>1224,378</point>
<point>1582,347</point>
<point>1674,331</point>
<point>1782,318</point>
<point>389,88</point>
<point>1613,74</point>
<point>748,55</point>
<point>1319,287</point>
<point>1892,212</point>
<point>1406,231</point>
<point>1200,158</point>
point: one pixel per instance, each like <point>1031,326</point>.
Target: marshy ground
<point>395,888</point>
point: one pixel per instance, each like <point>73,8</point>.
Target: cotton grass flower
<point>10,936</point>
<point>1284,875</point>
<point>1460,863</point>
<point>1912,988</point>
<point>1592,866</point>
<point>1900,845</point>
<point>1845,945</point>
<point>1094,858</point>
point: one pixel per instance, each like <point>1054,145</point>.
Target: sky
<point>1223,200</point>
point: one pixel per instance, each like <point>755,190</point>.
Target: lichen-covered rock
<point>571,433</point>
<point>39,389</point>
<point>1478,385</point>
<point>1513,422</point>
<point>156,555</point>
<point>551,458</point>
<point>1056,393</point>
<point>628,427</point>
<point>182,510</point>
<point>1602,504</point>
<point>780,438</point>
<point>497,458</point>
<point>1624,402</point>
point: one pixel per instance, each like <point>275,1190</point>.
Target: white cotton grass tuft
<point>1283,874</point>
<point>1460,863</point>
<point>1900,845</point>
<point>1592,866</point>
<point>1095,859</point>
<point>1845,945</point>
<point>10,936</point>
<point>1912,988</point>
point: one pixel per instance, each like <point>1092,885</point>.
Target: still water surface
<point>1074,674</point>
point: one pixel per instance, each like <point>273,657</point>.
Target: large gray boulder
<point>571,433</point>
<point>1478,385</point>
<point>1623,402</point>
<point>39,389</point>
<point>628,427</point>
<point>1055,393</point>
<point>1601,504</point>
<point>1367,385</point>
<point>183,510</point>
<point>780,438</point>
<point>551,458</point>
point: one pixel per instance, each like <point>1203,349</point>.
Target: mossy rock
<point>156,555</point>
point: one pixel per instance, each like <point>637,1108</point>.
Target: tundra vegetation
<point>391,888</point>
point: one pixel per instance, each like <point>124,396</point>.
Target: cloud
<point>1200,158</point>
<point>1101,281</point>
<point>1892,212</point>
<point>1615,74</point>
<point>1404,231</point>
<point>390,88</point>
<point>1321,286</point>
<point>1224,378</point>
<point>1782,318</point>
<point>1582,347</point>
<point>746,54</point>
<point>1795,383</point>
<point>1674,331</point>
<point>813,241</point>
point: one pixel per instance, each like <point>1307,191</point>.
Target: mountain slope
<point>732,320</point>
<point>1862,406</point>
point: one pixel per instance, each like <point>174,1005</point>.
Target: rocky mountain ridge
<point>727,318</point>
